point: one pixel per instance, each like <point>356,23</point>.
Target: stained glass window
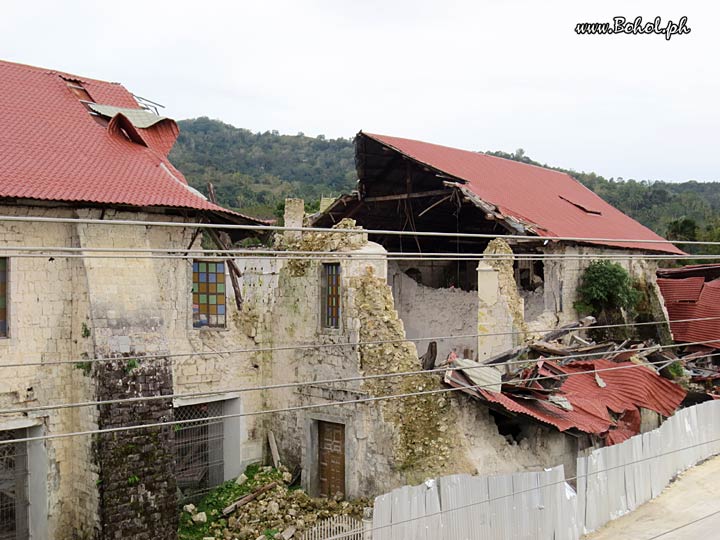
<point>208,294</point>
<point>331,295</point>
<point>3,297</point>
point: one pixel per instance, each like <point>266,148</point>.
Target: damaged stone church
<point>98,319</point>
<point>375,285</point>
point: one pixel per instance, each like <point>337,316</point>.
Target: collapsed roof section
<point>412,185</point>
<point>82,141</point>
<point>599,397</point>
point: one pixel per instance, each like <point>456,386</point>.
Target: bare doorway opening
<point>13,487</point>
<point>331,459</point>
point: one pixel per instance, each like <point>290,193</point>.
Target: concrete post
<point>294,216</point>
<point>493,315</point>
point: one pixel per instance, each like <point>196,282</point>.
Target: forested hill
<point>254,172</point>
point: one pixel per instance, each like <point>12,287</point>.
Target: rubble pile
<point>278,512</point>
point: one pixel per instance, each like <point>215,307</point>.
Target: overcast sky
<point>480,75</point>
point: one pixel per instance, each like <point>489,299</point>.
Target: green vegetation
<point>130,365</point>
<point>220,498</point>
<point>133,480</point>
<point>676,370</point>
<point>254,172</point>
<point>605,286</point>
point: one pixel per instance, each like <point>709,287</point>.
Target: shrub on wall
<point>605,286</point>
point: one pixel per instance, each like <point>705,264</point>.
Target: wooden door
<point>331,459</point>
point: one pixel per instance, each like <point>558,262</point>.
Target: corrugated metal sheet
<point>681,290</point>
<point>51,148</point>
<point>623,392</point>
<point>693,298</point>
<point>552,201</point>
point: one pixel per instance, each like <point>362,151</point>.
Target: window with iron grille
<point>330,293</point>
<point>208,291</point>
<point>3,297</point>
<point>13,487</point>
<point>199,464</point>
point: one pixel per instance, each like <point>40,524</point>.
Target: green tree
<point>605,286</point>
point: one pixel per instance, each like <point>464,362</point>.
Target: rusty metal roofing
<point>550,203</point>
<point>52,148</point>
<point>693,298</point>
<point>681,290</point>
<point>593,390</point>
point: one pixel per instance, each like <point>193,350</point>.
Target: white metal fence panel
<point>611,481</point>
<point>622,477</point>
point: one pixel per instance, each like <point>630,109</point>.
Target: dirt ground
<point>688,509</point>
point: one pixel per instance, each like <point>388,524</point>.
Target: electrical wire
<point>391,232</point>
<point>301,254</point>
<point>685,525</point>
<point>308,407</point>
<point>331,345</point>
<point>359,378</point>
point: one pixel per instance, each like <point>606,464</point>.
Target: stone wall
<point>427,311</point>
<point>137,482</point>
<point>74,309</point>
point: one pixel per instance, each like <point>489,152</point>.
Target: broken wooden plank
<point>247,498</point>
<point>274,450</point>
<point>553,349</point>
<point>559,332</point>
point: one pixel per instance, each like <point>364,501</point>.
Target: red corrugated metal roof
<point>623,392</point>
<point>681,290</point>
<point>51,148</point>
<point>693,298</point>
<point>552,201</point>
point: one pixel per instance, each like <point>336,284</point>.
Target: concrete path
<point>692,497</point>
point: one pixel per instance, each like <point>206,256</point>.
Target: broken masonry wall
<point>501,312</point>
<point>383,450</point>
<point>563,275</point>
<point>427,312</point>
<point>47,306</point>
<point>534,448</point>
<point>505,309</point>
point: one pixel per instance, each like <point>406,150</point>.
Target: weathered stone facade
<point>73,309</point>
<point>136,467</point>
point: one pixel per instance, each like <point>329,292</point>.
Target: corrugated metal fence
<point>506,507</point>
<point>615,480</point>
<point>539,505</point>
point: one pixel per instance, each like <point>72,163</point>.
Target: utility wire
<point>349,344</point>
<point>359,378</point>
<point>301,254</point>
<point>685,525</point>
<point>276,228</point>
<point>308,407</point>
<point>369,257</point>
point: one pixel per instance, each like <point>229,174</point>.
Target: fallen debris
<point>247,498</point>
